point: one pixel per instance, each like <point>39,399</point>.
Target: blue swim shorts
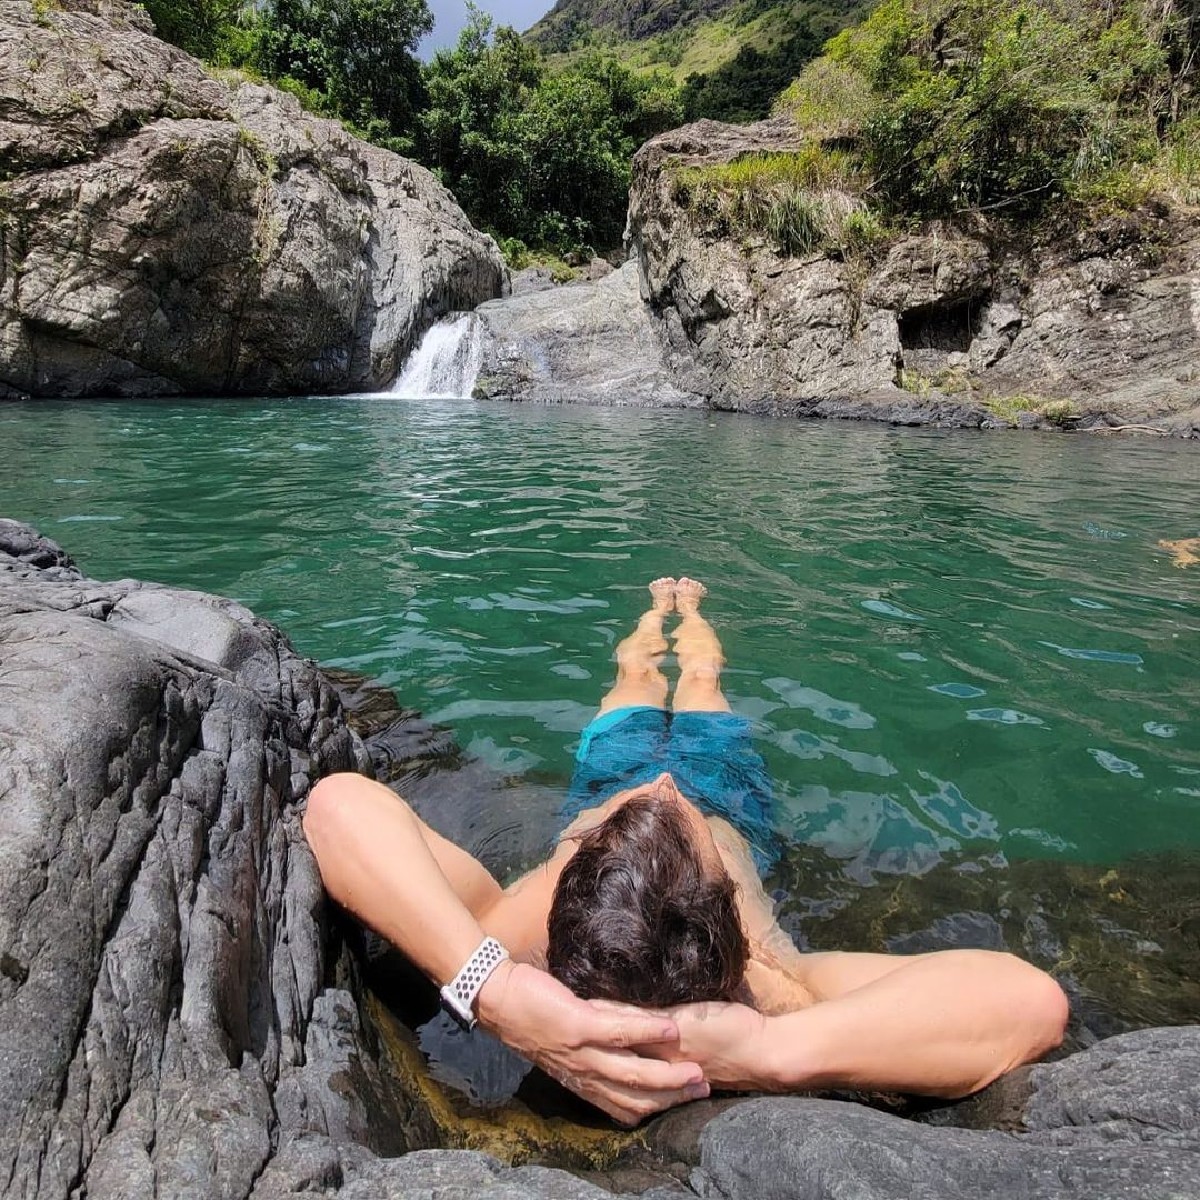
<point>709,754</point>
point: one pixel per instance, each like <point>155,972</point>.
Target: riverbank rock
<point>590,342</point>
<point>172,1022</point>
<point>1106,320</point>
<point>166,230</point>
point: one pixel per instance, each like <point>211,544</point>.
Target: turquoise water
<point>956,644</point>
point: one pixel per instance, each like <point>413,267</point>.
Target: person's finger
<point>629,1107</point>
<point>665,1051</point>
<point>629,1071</point>
<point>620,1025</point>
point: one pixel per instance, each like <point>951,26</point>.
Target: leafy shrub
<point>829,99</point>
<point>863,231</point>
<point>953,105</point>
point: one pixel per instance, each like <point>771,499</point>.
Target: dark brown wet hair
<point>639,916</point>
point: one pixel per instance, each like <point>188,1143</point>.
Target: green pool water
<point>956,645</point>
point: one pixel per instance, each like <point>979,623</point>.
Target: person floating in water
<point>641,964</point>
<point>1185,552</point>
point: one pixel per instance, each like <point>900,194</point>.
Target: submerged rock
<point>164,231</point>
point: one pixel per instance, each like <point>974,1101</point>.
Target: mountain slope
<point>733,55</point>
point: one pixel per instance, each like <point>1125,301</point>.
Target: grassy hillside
<point>732,57</point>
<point>1041,114</point>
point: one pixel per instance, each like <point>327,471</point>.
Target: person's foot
<point>663,592</point>
<point>1185,553</point>
<point>688,594</point>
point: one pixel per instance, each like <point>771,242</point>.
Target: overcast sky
<point>450,17</point>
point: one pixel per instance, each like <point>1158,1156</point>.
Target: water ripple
<point>485,560</point>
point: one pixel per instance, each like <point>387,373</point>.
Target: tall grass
<point>803,201</point>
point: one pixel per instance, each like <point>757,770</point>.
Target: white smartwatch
<point>458,996</point>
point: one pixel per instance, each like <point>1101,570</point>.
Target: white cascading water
<point>446,363</point>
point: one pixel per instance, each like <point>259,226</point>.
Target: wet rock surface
<point>590,342</point>
<point>181,1016</point>
<point>165,231</point>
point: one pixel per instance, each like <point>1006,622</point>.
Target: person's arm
<point>944,1024</point>
<point>430,899</point>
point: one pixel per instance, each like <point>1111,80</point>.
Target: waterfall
<point>446,363</point>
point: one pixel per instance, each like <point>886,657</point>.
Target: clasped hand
<point>622,1059</point>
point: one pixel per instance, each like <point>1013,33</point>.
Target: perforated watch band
<point>458,996</point>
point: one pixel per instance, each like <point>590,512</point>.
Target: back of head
<point>639,916</point>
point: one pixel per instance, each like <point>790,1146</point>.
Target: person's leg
<point>639,681</point>
<point>699,652</point>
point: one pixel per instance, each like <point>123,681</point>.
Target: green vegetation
<point>744,88</point>
<point>215,30</point>
<point>731,57</point>
<point>518,256</point>
<point>1038,111</point>
<point>804,201</point>
<point>350,58</point>
<point>536,155</point>
<point>1010,408</point>
<point>956,381</point>
<point>1023,108</point>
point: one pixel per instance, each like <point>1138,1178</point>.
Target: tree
<point>534,155</point>
<point>211,29</point>
<point>744,88</point>
<point>358,56</point>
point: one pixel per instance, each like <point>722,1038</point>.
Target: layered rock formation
<point>176,1019</point>
<point>1109,320</point>
<point>165,231</point>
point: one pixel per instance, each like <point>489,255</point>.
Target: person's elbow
<point>341,811</point>
<point>326,811</point>
<point>1036,1011</point>
<point>1049,1012</point>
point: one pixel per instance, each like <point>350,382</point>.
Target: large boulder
<point>164,230</point>
<point>1106,319</point>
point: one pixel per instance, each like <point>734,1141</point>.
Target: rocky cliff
<point>1107,319</point>
<point>163,230</point>
<point>178,1017</point>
